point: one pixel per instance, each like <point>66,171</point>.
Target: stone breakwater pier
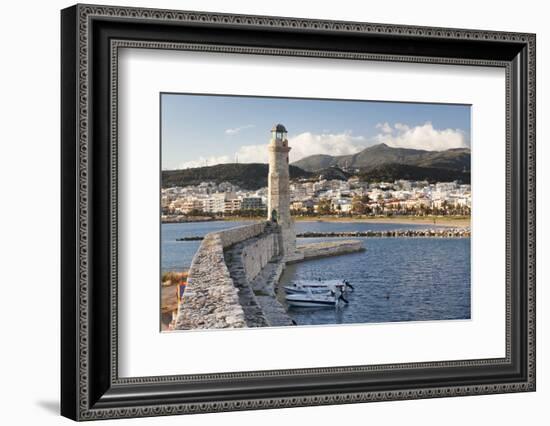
<point>433,233</point>
<point>427,233</point>
<point>233,278</point>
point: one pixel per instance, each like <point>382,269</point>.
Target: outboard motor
<point>347,284</point>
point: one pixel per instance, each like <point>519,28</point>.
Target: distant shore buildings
<point>315,196</point>
<point>323,197</point>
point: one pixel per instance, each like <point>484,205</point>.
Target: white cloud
<point>420,137</point>
<point>245,154</point>
<point>252,154</point>
<point>205,161</point>
<point>302,145</point>
<point>307,143</point>
<point>237,130</point>
<point>384,127</point>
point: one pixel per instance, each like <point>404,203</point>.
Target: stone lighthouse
<point>278,204</point>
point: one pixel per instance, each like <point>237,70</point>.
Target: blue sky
<point>200,130</point>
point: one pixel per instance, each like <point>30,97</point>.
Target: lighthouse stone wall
<point>279,193</point>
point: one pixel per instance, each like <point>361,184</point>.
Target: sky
<point>200,130</point>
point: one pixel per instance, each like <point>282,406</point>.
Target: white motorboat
<point>309,298</point>
<point>304,286</point>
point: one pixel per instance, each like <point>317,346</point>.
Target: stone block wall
<point>241,233</point>
<point>329,248</point>
<point>257,253</point>
<point>211,300</point>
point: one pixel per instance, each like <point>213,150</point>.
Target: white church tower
<point>278,204</point>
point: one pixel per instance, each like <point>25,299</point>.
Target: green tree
<point>324,206</point>
<point>359,204</point>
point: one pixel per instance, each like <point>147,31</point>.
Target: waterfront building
<point>231,205</point>
<point>342,205</point>
<point>303,205</point>
<point>192,204</point>
<point>326,196</point>
<point>215,203</point>
<point>297,191</point>
<point>252,203</point>
<point>221,202</point>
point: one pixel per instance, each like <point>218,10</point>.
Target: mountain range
<point>382,154</point>
<point>373,164</point>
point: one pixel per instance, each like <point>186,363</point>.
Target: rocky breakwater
<point>432,232</point>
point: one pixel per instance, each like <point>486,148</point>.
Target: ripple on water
<point>395,279</point>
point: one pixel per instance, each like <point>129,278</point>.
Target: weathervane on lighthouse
<point>278,204</point>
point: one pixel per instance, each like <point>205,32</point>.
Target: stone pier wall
<point>258,252</point>
<point>233,278</point>
<point>211,298</point>
<point>241,233</point>
<point>329,248</point>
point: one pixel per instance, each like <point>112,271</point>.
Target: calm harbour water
<point>395,279</point>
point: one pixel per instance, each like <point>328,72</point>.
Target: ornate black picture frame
<point>91,36</point>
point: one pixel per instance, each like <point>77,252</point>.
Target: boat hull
<point>304,303</point>
<point>298,290</point>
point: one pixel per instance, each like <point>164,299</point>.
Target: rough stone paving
<point>210,299</point>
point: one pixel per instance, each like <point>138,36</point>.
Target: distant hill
<point>318,162</point>
<point>248,176</point>
<point>393,172</point>
<point>381,154</point>
<point>332,173</point>
<point>376,163</point>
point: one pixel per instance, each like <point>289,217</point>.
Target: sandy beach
<point>452,221</point>
<point>456,222</point>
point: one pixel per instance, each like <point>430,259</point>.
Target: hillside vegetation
<point>373,164</point>
<point>248,176</point>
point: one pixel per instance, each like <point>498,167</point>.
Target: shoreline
<point>459,222</point>
<point>449,221</point>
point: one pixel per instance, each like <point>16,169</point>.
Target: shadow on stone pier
<point>233,279</point>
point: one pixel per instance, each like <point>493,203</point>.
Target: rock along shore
<point>427,233</point>
<point>433,233</point>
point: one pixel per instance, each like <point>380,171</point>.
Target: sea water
<point>394,279</point>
